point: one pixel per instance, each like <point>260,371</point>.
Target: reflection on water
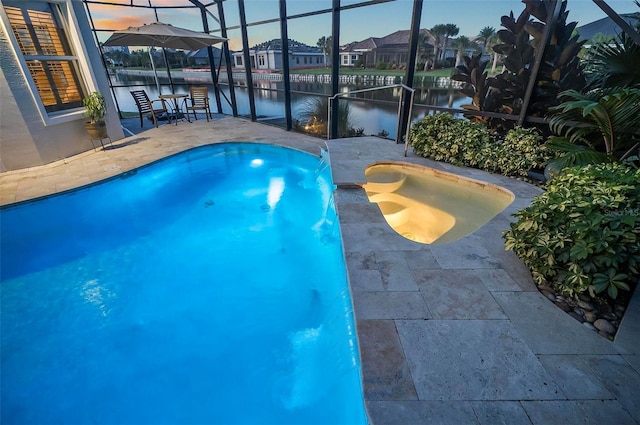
<point>373,117</point>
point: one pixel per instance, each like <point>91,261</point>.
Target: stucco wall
<point>275,60</point>
<point>17,147</point>
<point>25,139</point>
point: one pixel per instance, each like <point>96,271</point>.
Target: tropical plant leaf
<point>571,154</point>
<point>615,63</point>
<point>535,29</point>
<point>569,52</point>
<point>606,120</point>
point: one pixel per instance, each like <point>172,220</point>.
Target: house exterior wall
<point>381,55</point>
<point>306,60</point>
<point>26,139</point>
<point>275,59</point>
<point>369,59</point>
<point>17,147</point>
<point>349,59</point>
<point>262,60</point>
<point>392,55</point>
<point>272,60</point>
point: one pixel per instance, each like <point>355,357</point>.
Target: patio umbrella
<point>158,34</point>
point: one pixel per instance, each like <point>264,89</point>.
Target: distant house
<point>268,56</point>
<point>201,57</point>
<point>392,49</point>
<point>606,26</point>
<point>113,54</point>
<point>107,49</point>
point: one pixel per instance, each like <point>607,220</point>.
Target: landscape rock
<point>563,306</point>
<point>604,326</point>
<point>590,316</point>
<point>600,315</point>
<point>606,335</point>
<point>584,305</point>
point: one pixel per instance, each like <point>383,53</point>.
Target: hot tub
<point>431,206</point>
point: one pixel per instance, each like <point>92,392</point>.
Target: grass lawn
<point>444,72</point>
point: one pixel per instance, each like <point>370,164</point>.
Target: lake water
<point>372,115</point>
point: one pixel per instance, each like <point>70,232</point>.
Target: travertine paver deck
<point>458,333</point>
<point>140,149</point>
<point>449,334</point>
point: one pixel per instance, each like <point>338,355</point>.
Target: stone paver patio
<point>458,333</point>
<point>449,334</point>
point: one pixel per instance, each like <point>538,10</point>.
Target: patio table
<point>176,106</point>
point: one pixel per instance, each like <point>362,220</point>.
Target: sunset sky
<point>356,24</point>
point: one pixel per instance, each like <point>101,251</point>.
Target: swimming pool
<point>209,287</point>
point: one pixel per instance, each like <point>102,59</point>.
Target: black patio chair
<point>146,106</point>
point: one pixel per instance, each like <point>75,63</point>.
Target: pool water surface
<point>432,206</point>
<point>209,287</point>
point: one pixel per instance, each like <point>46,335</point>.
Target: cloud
<point>120,23</point>
<point>113,17</point>
<point>167,3</point>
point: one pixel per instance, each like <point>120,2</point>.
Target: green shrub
<point>583,233</point>
<point>458,141</point>
<point>445,138</point>
<point>521,151</point>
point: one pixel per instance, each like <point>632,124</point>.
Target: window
<point>261,60</point>
<point>238,60</point>
<point>345,59</point>
<point>40,31</point>
<point>305,60</point>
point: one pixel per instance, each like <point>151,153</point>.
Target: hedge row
<point>457,141</point>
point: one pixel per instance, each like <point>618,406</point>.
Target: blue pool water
<point>209,287</point>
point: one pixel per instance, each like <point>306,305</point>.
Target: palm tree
<point>451,30</point>
<point>437,32</point>
<point>492,42</point>
<point>423,40</point>
<point>486,34</point>
<point>462,43</point>
<point>325,44</point>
